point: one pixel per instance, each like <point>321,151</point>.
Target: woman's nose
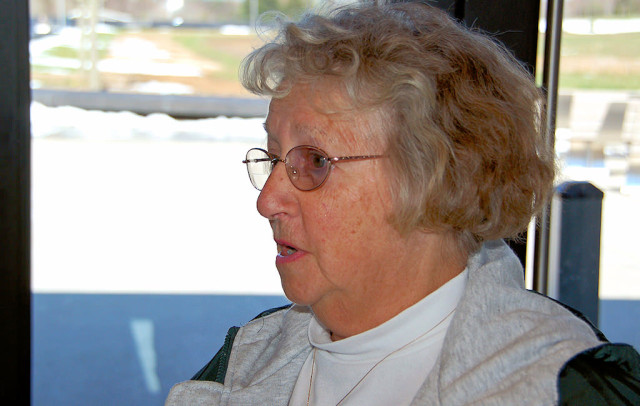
<point>277,195</point>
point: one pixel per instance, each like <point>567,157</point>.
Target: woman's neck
<point>425,266</point>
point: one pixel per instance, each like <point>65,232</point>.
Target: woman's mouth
<point>287,253</point>
<point>286,250</point>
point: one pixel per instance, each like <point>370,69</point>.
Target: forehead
<point>320,115</point>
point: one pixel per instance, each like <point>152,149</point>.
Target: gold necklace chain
<point>315,350</point>
<point>313,364</point>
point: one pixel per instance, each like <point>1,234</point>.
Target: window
<point>146,242</point>
<point>598,140</point>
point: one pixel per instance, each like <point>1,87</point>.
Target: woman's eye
<point>318,161</point>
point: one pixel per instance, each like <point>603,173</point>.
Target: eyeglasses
<point>307,167</point>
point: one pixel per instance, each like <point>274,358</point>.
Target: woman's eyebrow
<point>310,134</point>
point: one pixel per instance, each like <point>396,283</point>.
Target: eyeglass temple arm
<point>332,159</point>
<point>355,158</point>
<point>276,159</point>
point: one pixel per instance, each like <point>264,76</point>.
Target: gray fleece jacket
<point>505,346</point>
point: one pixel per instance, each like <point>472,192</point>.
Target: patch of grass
<point>587,61</point>
<point>66,51</point>
<point>614,45</point>
<point>61,77</point>
<point>227,51</point>
<point>609,61</point>
<point>599,81</point>
<point>36,68</point>
<point>63,52</point>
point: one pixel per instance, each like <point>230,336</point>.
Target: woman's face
<point>336,248</point>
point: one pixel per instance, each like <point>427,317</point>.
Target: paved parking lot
<point>128,350</point>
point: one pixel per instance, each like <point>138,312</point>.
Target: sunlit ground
<point>148,217</point>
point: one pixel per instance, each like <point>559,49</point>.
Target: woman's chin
<point>296,297</point>
<point>296,294</point>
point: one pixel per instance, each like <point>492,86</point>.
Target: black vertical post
<point>514,23</point>
<point>15,308</point>
<point>574,247</point>
<point>550,77</point>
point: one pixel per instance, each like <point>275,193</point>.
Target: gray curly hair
<point>465,140</point>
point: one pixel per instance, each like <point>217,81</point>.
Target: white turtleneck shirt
<point>382,366</point>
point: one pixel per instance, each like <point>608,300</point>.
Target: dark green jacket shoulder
<point>216,369</point>
<point>605,375</point>
<point>608,374</point>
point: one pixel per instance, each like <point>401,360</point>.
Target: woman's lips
<point>286,250</point>
<point>287,253</point>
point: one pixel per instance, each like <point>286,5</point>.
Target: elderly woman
<point>401,149</point>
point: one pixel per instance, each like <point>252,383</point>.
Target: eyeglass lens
<point>259,166</point>
<point>307,167</point>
